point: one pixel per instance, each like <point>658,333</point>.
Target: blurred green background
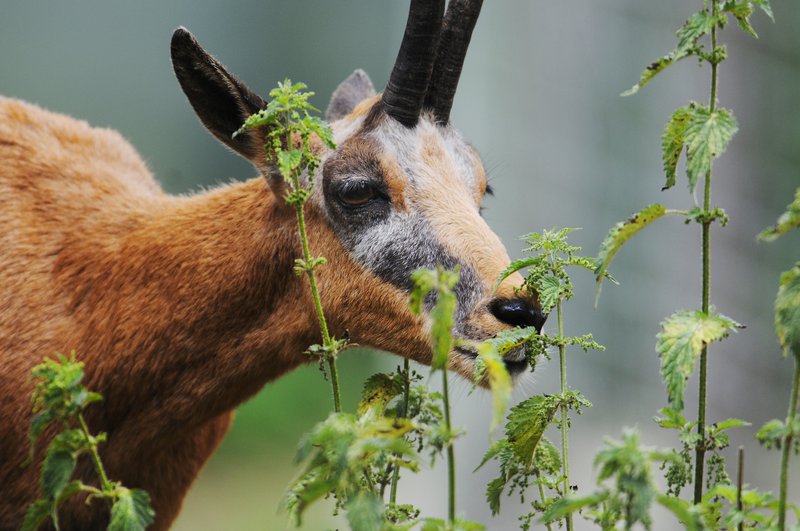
<point>540,99</point>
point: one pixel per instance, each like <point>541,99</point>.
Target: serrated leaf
<point>379,390</point>
<point>773,432</point>
<point>653,69</point>
<point>787,311</point>
<point>508,340</point>
<point>672,142</point>
<point>527,422</point>
<point>680,343</point>
<point>515,266</point>
<point>621,233</point>
<point>572,504</point>
<point>499,381</point>
<point>131,511</point>
<point>549,289</point>
<point>365,512</point>
<point>707,136</point>
<point>695,27</point>
<point>494,490</point>
<point>741,11</point>
<point>493,451</point>
<point>57,468</point>
<point>727,424</point>
<point>699,24</point>
<point>765,7</point>
<point>547,458</point>
<point>788,221</point>
<point>36,515</point>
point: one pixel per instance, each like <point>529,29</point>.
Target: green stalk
<point>323,323</point>
<point>700,450</point>
<point>451,460</point>
<point>98,465</point>
<point>739,484</point>
<point>562,361</point>
<point>544,499</point>
<point>787,444</point>
<point>403,413</point>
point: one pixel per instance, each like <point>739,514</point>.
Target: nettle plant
<point>703,132</point>
<point>59,399</point>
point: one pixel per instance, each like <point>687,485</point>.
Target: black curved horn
<point>408,82</point>
<point>453,43</point>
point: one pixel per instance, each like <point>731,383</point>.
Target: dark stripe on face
<point>401,244</point>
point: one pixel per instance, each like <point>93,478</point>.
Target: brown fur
<point>181,307</point>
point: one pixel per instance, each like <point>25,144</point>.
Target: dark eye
<point>356,193</point>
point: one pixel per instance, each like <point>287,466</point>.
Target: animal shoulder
<point>43,151</point>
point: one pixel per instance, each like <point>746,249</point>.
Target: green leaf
<point>57,468</point>
<point>515,266</point>
<point>672,419</point>
<point>131,511</point>
<point>787,311</point>
<point>707,136</point>
<point>36,515</point>
<point>527,422</point>
<point>680,343</point>
<point>765,7</point>
<point>683,511</point>
<point>494,490</point>
<point>507,340</point>
<point>741,11</point>
<point>699,24</point>
<point>549,289</point>
<point>788,221</point>
<point>672,142</point>
<point>572,504</point>
<point>499,381</point>
<point>379,390</point>
<point>730,423</point>
<point>695,27</point>
<point>365,512</point>
<point>621,233</point>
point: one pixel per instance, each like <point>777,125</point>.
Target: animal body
<point>184,307</point>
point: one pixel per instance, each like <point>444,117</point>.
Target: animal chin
<point>515,361</point>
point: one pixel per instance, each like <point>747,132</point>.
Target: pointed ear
<point>221,101</point>
<point>348,94</point>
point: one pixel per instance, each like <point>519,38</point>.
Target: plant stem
<point>544,498</point>
<point>787,445</point>
<point>98,465</point>
<point>562,361</point>
<point>739,482</point>
<point>403,413</point>
<point>323,323</point>
<point>700,450</point>
<point>451,460</point>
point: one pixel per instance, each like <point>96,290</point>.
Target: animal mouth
<point>515,360</point>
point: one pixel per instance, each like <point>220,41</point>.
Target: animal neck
<point>205,307</point>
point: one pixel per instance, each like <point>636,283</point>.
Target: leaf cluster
<point>682,338</point>
<point>60,398</point>
<point>290,127</point>
<point>627,488</point>
<point>342,453</point>
<point>526,457</point>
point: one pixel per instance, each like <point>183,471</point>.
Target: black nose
<point>517,312</point>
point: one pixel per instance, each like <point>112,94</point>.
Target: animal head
<point>402,190</point>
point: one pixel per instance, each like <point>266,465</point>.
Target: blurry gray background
<point>540,98</point>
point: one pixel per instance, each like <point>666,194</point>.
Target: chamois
<point>183,307</point>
